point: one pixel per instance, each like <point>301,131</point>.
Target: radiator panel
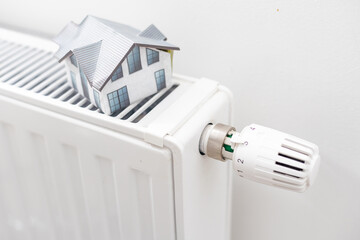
<point>71,172</point>
<point>64,178</point>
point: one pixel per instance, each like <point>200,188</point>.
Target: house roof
<point>100,46</point>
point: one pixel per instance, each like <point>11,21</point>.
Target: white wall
<point>293,65</point>
<point>139,84</point>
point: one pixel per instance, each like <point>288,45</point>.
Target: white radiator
<point>68,171</point>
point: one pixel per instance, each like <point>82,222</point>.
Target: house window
<point>118,100</point>
<point>117,74</point>
<point>84,84</point>
<point>73,60</point>
<point>97,98</point>
<point>124,97</point>
<point>133,60</point>
<point>114,102</point>
<point>152,56</point>
<point>160,79</point>
<point>73,79</point>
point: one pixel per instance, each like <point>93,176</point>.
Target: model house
<point>115,65</point>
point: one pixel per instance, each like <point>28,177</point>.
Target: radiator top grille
<point>36,70</point>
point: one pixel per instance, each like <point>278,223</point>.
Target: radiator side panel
<point>61,178</point>
<point>202,185</point>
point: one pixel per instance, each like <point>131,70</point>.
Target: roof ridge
<point>102,21</point>
<point>152,32</point>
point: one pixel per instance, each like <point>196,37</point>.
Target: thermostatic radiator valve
<point>263,155</point>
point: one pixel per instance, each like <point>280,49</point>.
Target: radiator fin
<point>45,174</point>
<point>12,190</point>
<point>110,195</point>
<point>145,203</point>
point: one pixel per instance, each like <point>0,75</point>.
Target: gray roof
<point>153,33</point>
<point>100,46</point>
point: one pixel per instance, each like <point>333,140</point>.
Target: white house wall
<point>140,84</point>
<point>80,89</point>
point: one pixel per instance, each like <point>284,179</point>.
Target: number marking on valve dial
<point>240,161</point>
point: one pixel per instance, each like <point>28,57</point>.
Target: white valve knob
<point>264,155</point>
